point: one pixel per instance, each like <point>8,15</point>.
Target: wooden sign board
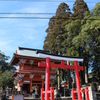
<point>17,97</point>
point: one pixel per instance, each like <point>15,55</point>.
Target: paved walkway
<point>31,98</point>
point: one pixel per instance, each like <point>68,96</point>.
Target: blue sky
<point>29,33</point>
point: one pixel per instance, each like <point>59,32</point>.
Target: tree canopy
<point>76,33</point>
<point>79,8</point>
<point>55,31</point>
<point>6,71</point>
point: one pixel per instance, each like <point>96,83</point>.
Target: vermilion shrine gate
<point>35,69</point>
<point>75,67</point>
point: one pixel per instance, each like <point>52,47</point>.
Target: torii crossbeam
<point>49,65</point>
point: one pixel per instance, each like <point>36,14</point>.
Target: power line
<point>28,13</point>
<point>24,18</point>
<point>42,1</point>
<point>45,18</point>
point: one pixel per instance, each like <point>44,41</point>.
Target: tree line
<point>76,33</point>
<point>6,72</point>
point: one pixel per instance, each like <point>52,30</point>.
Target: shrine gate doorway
<point>26,88</point>
<point>50,91</point>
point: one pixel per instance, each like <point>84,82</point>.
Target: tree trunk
<point>85,63</point>
<point>73,84</point>
<point>69,80</point>
<point>86,74</point>
<point>58,72</point>
<point>82,78</point>
<point>82,74</point>
<point>69,77</point>
<point>63,74</point>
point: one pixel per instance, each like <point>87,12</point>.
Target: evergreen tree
<point>56,30</point>
<point>62,15</point>
<point>74,28</point>
<point>3,64</point>
<point>89,40</point>
<point>49,42</point>
<point>6,79</point>
<point>95,37</point>
<point>0,77</point>
<point>79,8</point>
<point>5,71</point>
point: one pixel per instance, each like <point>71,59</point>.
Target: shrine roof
<point>35,72</point>
<point>40,55</point>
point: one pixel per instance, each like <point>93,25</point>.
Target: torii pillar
<point>49,65</point>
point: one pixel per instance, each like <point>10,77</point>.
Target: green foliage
<point>6,79</point>
<point>0,77</point>
<point>5,71</point>
<point>79,8</point>
<point>55,31</point>
<point>73,30</point>
<point>5,65</point>
<point>96,10</point>
<point>78,37</point>
<point>89,39</point>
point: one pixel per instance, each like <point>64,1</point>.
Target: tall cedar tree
<point>89,40</point>
<point>91,36</point>
<point>49,39</point>
<point>73,29</point>
<point>56,30</point>
<point>79,8</point>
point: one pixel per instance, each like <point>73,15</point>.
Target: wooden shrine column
<point>47,79</point>
<point>42,83</point>
<point>50,83</point>
<point>77,80</point>
<point>30,86</point>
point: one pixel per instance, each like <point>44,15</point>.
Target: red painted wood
<point>77,81</point>
<point>73,94</point>
<point>42,94</point>
<point>86,93</point>
<point>49,65</point>
<point>62,65</point>
<point>47,78</point>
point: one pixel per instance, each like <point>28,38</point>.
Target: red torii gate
<point>75,67</point>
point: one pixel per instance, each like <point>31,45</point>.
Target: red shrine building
<point>29,74</point>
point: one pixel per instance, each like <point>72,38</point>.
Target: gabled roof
<point>30,53</point>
